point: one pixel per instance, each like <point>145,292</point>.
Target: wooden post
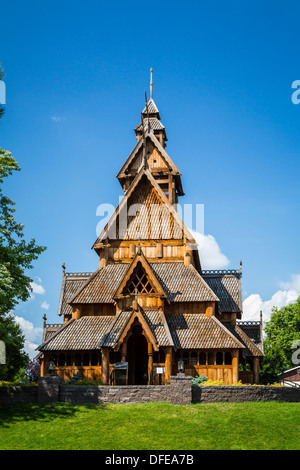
<point>43,367</point>
<point>150,364</point>
<point>76,313</point>
<point>235,365</point>
<point>210,309</point>
<point>256,370</point>
<point>168,364</point>
<point>105,366</point>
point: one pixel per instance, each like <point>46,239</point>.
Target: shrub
<point>33,370</point>
<point>199,380</point>
<point>75,379</point>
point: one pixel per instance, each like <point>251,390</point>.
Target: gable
<point>135,159</point>
<point>139,279</point>
<point>138,282</point>
<point>144,214</point>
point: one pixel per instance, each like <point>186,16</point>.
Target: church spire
<point>151,83</point>
<point>151,119</point>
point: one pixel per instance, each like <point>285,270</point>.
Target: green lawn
<point>262,425</point>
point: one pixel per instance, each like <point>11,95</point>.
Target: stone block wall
<point>180,392</point>
<point>211,394</point>
<point>13,395</point>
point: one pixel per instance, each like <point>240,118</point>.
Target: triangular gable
<point>170,224</point>
<point>140,261</point>
<point>115,338</point>
<point>139,148</point>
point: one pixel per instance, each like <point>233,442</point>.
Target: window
<point>139,282</point>
<point>61,360</point>
<point>194,358</point>
<point>185,358</point>
<point>78,360</point>
<point>211,358</point>
<point>219,358</point>
<point>86,359</point>
<point>68,360</point>
<point>94,359</point>
<point>228,358</point>
<point>202,358</point>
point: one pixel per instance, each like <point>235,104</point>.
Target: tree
<point>16,255</point>
<point>281,331</point>
<point>16,358</point>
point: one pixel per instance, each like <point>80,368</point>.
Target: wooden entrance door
<point>137,355</point>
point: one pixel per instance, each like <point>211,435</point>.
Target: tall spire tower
<point>151,119</point>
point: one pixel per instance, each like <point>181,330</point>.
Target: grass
<point>152,426</point>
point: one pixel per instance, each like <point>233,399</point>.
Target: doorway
<point>137,356</point>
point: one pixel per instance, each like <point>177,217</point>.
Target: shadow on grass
<point>42,412</point>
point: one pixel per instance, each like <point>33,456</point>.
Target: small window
<point>94,359</point>
<point>211,358</point>
<point>68,360</point>
<point>86,359</point>
<point>193,358</point>
<point>202,358</point>
<point>228,358</point>
<point>78,360</point>
<point>61,360</point>
<point>219,358</point>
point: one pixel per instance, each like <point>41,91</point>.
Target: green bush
<point>199,380</point>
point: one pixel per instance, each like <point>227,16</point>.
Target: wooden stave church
<point>150,303</point>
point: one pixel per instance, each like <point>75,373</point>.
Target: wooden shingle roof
<point>180,283</point>
<point>227,286</point>
<point>197,331</point>
<point>71,284</point>
<point>83,334</point>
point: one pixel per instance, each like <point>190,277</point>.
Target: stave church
<point>150,305</point>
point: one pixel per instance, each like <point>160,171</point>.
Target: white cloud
<point>45,305</point>
<point>57,118</point>
<point>293,285</point>
<point>289,293</point>
<point>37,288</point>
<point>31,333</point>
<point>210,253</point>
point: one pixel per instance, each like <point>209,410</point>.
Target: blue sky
<point>223,71</point>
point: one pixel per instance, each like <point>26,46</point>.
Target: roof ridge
<point>205,283</point>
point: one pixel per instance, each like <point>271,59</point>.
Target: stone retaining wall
<point>115,394</point>
<point>18,394</point>
<point>179,392</point>
<point>210,394</point>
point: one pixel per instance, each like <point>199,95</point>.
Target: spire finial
<point>151,83</point>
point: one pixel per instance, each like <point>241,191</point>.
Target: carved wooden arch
<point>146,331</point>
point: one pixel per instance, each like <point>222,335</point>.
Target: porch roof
<point>197,331</point>
<point>155,320</point>
<point>83,334</point>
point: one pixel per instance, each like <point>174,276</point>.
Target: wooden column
<point>105,366</point>
<point>235,365</point>
<point>210,309</point>
<point>76,312</point>
<point>150,364</point>
<point>168,364</point>
<point>43,367</point>
<point>256,370</point>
